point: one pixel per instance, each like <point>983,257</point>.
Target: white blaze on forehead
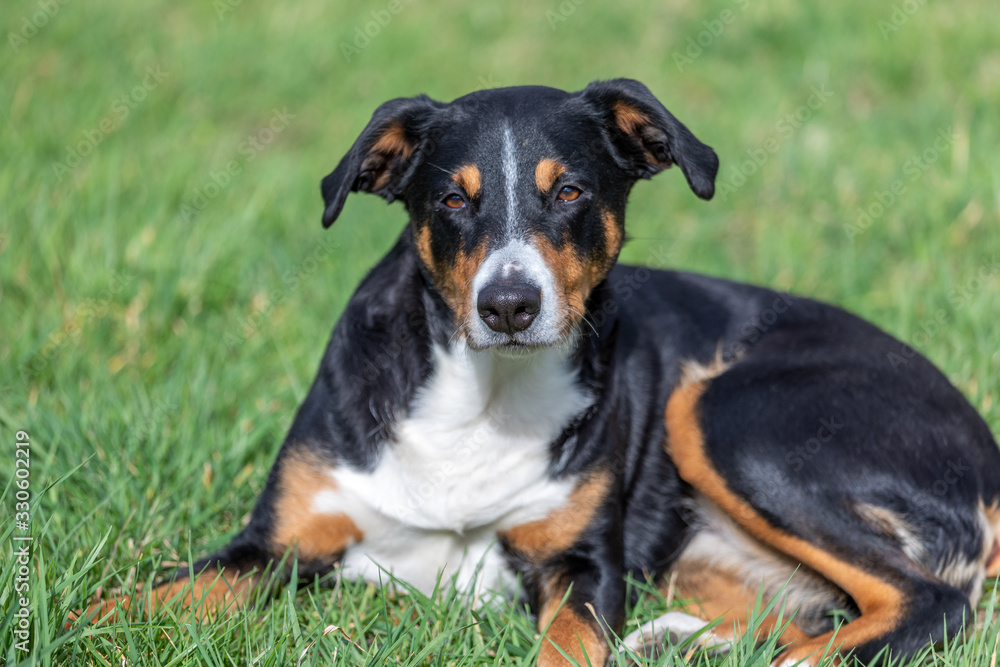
<point>510,177</point>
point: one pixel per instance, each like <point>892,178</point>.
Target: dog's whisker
<point>583,318</point>
<point>437,167</point>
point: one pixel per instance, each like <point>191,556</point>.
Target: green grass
<point>155,358</point>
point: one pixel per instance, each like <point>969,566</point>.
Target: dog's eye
<point>454,201</point>
<point>569,193</point>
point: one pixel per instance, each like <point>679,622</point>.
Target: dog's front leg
<point>572,567</point>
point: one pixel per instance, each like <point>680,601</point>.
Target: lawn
<point>167,289</point>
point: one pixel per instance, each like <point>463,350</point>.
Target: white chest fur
<point>469,460</point>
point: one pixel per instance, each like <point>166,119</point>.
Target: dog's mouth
<point>513,350</point>
<point>506,345</point>
<point>516,348</point>
<point>520,344</point>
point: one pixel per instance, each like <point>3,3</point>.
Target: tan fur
<point>881,604</point>
<point>209,594</point>
<point>469,179</point>
<point>578,637</point>
<point>713,592</point>
<point>546,173</point>
<point>992,514</point>
<point>561,529</point>
<point>893,525</point>
<point>629,119</point>
<point>614,234</point>
<point>314,535</point>
<point>393,141</point>
<point>390,147</point>
<point>575,276</point>
<point>423,243</point>
<point>634,122</point>
<point>456,281</point>
<point>722,551</point>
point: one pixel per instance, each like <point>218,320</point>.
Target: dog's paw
<point>795,662</point>
<point>105,611</point>
<point>674,627</point>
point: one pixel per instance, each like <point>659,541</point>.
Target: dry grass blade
<point>327,630</point>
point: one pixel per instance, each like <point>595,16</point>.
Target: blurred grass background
<point>166,297</point>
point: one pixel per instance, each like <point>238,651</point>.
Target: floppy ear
<point>647,138</point>
<point>384,157</point>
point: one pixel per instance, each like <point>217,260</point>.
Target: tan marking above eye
<point>469,179</point>
<point>546,173</point>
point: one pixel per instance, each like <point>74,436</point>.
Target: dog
<point>503,404</point>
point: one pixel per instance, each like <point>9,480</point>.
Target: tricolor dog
<point>499,393</point>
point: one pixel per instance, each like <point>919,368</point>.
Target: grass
<point>166,297</point>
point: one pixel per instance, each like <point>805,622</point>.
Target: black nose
<point>509,308</point>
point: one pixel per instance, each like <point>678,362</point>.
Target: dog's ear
<point>646,138</point>
<point>384,157</point>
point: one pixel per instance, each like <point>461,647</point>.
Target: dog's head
<point>517,195</point>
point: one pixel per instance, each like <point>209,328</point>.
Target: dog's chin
<point>516,346</point>
<point>515,350</point>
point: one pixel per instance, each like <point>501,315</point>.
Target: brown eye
<point>454,201</point>
<point>568,193</point>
